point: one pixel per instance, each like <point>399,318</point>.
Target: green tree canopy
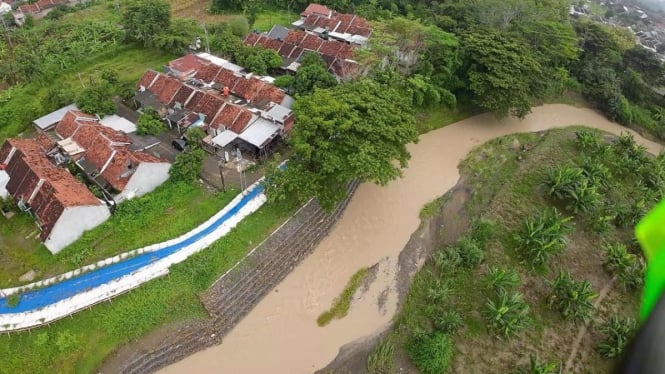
<point>143,20</point>
<point>353,131</point>
<point>149,123</point>
<point>502,73</point>
<point>187,165</point>
<point>312,74</point>
<point>96,99</point>
<point>181,33</point>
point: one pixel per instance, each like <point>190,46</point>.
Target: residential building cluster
<point>35,173</point>
<point>237,110</point>
<point>332,35</point>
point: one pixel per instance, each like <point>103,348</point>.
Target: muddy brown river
<point>280,335</point>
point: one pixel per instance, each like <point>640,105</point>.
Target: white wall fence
<point>83,300</point>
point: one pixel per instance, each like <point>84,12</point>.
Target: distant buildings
<point>332,35</point>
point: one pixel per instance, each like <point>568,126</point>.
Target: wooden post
<point>220,163</point>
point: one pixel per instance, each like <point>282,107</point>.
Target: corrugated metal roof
<point>221,62</point>
<point>224,138</point>
<point>52,118</point>
<point>260,132</point>
<point>118,123</point>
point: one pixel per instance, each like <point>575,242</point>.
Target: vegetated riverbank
<point>375,228</point>
<point>509,179</point>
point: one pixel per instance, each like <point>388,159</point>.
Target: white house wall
<point>147,177</point>
<point>4,179</point>
<point>73,222</point>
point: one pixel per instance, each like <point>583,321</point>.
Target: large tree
<point>353,131</point>
<point>502,73</point>
<point>143,20</point>
<point>312,74</point>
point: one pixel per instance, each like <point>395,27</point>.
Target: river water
<point>280,335</point>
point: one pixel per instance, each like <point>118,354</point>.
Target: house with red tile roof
<point>330,24</point>
<point>62,206</point>
<point>104,154</point>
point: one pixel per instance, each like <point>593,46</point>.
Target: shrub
<point>541,236</point>
<point>618,332</point>
<point>430,353</point>
<point>187,166</point>
<point>601,219</point>
<point>570,185</point>
<point>502,280</point>
<point>470,252</point>
<point>571,298</point>
<point>149,123</point>
<point>537,367</point>
<point>448,322</point>
<point>380,361</point>
<point>628,268</point>
<point>588,140</point>
<point>446,260</point>
<point>508,314</point>
<point>596,173</point>
<point>438,292</point>
<point>482,231</point>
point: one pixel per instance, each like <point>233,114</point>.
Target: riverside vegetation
<point>549,257</point>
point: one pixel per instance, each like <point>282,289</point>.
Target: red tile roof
<point>269,93</point>
<point>188,64</point>
<point>208,73</point>
<point>146,79</point>
<point>314,8</point>
<point>252,38</point>
<point>248,88</point>
<point>182,95</point>
<point>29,8</point>
<point>295,37</point>
<point>330,47</point>
<point>311,42</point>
<point>71,121</point>
<point>194,100</point>
<point>227,78</point>
<point>28,168</point>
<point>209,105</point>
<point>165,88</point>
<point>44,141</point>
<point>241,121</point>
<point>226,116</point>
<point>286,49</point>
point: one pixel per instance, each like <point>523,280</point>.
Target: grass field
<point>80,344</point>
<point>447,301</point>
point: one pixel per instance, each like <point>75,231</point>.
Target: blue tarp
<point>37,299</point>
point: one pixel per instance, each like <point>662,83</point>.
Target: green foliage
<point>144,20</point>
<point>239,26</point>
<point>180,34</point>
<point>312,74</point>
<point>542,236</point>
<point>470,252</point>
<point>187,165</point>
<point>571,298</point>
<point>446,260</point>
<point>195,136</point>
<point>357,130</point>
<point>501,280</point>
<point>149,123</point>
<point>447,322</point>
<point>13,300</point>
<point>502,73</point>
<point>572,186</point>
<point>258,59</point>
<point>430,209</point>
<point>627,267</point>
<point>507,314</point>
<point>341,304</point>
<point>618,332</point>
<point>535,366</point>
<point>96,99</point>
<point>65,341</point>
<point>589,141</point>
<point>284,81</point>
<point>381,361</point>
<point>430,353</point>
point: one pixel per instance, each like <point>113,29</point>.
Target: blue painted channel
<point>37,299</point>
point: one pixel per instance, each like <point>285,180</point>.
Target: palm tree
<point>618,332</point>
<point>571,298</point>
<point>508,314</point>
<point>537,367</point>
<point>501,279</point>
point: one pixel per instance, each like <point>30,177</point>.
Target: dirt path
<point>585,328</point>
<point>281,335</point>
